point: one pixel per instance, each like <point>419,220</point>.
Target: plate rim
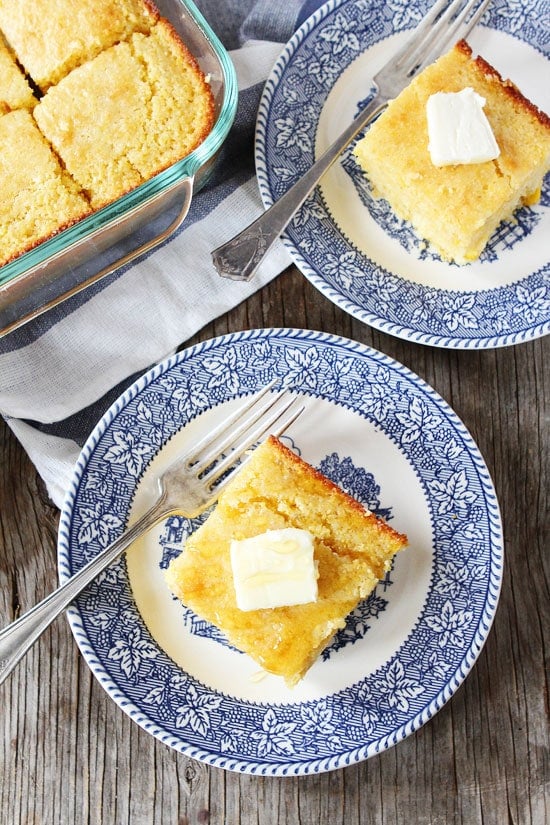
<point>316,278</point>
<point>347,757</point>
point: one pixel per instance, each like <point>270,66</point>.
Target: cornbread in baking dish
<point>38,196</point>
<point>457,208</point>
<point>52,37</point>
<point>129,113</point>
<point>274,490</point>
<point>15,92</point>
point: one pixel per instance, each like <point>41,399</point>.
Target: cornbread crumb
<point>352,547</point>
<point>52,37</point>
<point>125,100</point>
<point>15,92</point>
<point>129,113</point>
<point>38,197</point>
<point>457,208</point>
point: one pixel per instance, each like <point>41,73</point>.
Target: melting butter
<point>274,569</point>
<point>458,129</point>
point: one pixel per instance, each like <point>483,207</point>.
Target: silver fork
<point>188,487</point>
<point>446,23</point>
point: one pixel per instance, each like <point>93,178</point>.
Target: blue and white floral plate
<point>386,437</point>
<point>350,246</point>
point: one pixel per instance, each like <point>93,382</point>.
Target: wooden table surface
<point>69,755</point>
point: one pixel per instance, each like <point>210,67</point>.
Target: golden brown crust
<point>35,206</point>
<point>463,46</point>
<point>353,550</point>
<point>128,114</point>
<point>332,488</point>
<point>508,87</point>
<point>162,66</point>
<point>190,59</point>
<point>28,247</point>
<point>47,237</point>
<point>52,37</point>
<point>153,9</point>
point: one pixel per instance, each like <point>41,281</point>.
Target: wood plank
<point>70,756</point>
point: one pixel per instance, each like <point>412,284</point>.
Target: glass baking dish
<point>140,220</point>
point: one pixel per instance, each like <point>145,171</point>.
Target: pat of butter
<point>458,129</point>
<point>274,569</point>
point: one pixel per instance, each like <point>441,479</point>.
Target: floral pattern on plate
<point>505,298</point>
<point>404,423</point>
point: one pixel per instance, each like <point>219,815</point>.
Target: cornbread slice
<point>15,92</point>
<point>457,208</point>
<point>52,37</point>
<point>128,114</point>
<point>38,196</point>
<point>353,549</point>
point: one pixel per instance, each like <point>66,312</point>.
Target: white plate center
<point>230,672</point>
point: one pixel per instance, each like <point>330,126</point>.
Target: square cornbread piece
<point>38,196</point>
<point>134,110</point>
<point>457,208</point>
<point>275,489</point>
<point>15,92</point>
<point>52,37</point>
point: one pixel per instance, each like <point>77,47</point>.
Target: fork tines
<point>445,22</point>
<point>264,414</point>
<point>460,24</point>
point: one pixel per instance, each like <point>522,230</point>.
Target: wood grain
<point>69,756</point>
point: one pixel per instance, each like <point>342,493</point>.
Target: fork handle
<point>18,637</point>
<point>240,257</point>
